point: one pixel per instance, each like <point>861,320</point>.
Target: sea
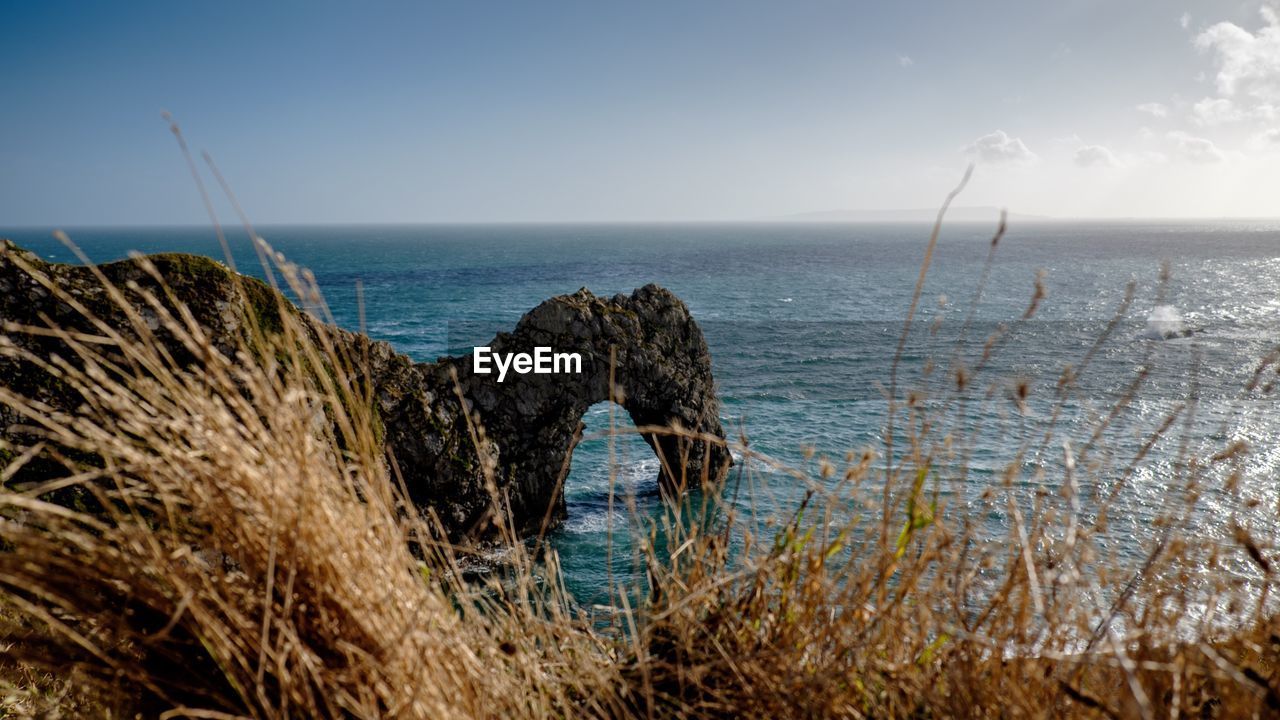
<point>803,322</point>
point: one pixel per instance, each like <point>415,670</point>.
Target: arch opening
<point>611,458</point>
<point>595,541</point>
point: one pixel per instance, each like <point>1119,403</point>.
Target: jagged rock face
<point>661,369</point>
<point>647,342</point>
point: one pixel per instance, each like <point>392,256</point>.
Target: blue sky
<point>544,111</point>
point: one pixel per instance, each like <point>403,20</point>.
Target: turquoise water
<point>802,321</point>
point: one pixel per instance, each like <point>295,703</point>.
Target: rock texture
<point>647,342</point>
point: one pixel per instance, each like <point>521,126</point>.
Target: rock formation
<point>647,342</point>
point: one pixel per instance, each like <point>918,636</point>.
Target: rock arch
<point>661,369</point>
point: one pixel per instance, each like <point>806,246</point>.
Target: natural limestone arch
<point>657,357</point>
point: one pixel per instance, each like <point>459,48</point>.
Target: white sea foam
<point>594,522</point>
<point>1165,322</point>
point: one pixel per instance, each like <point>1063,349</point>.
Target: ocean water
<point>802,322</point>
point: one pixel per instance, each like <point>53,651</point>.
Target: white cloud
<point>998,147</point>
<point>906,61</point>
<point>1096,156</point>
<point>1154,109</point>
<point>1220,111</point>
<point>1266,140</point>
<point>1215,111</point>
<point>1248,64</point>
<point>1185,20</point>
<point>1196,149</point>
<point>1246,76</point>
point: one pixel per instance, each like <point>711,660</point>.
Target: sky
<point>323,112</point>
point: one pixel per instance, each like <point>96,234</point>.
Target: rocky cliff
<point>647,342</point>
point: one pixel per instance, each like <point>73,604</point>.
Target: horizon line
<point>786,220</point>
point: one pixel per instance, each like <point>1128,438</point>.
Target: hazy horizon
<point>408,113</point>
<point>235,228</point>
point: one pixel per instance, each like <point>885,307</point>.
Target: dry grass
<point>256,558</point>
